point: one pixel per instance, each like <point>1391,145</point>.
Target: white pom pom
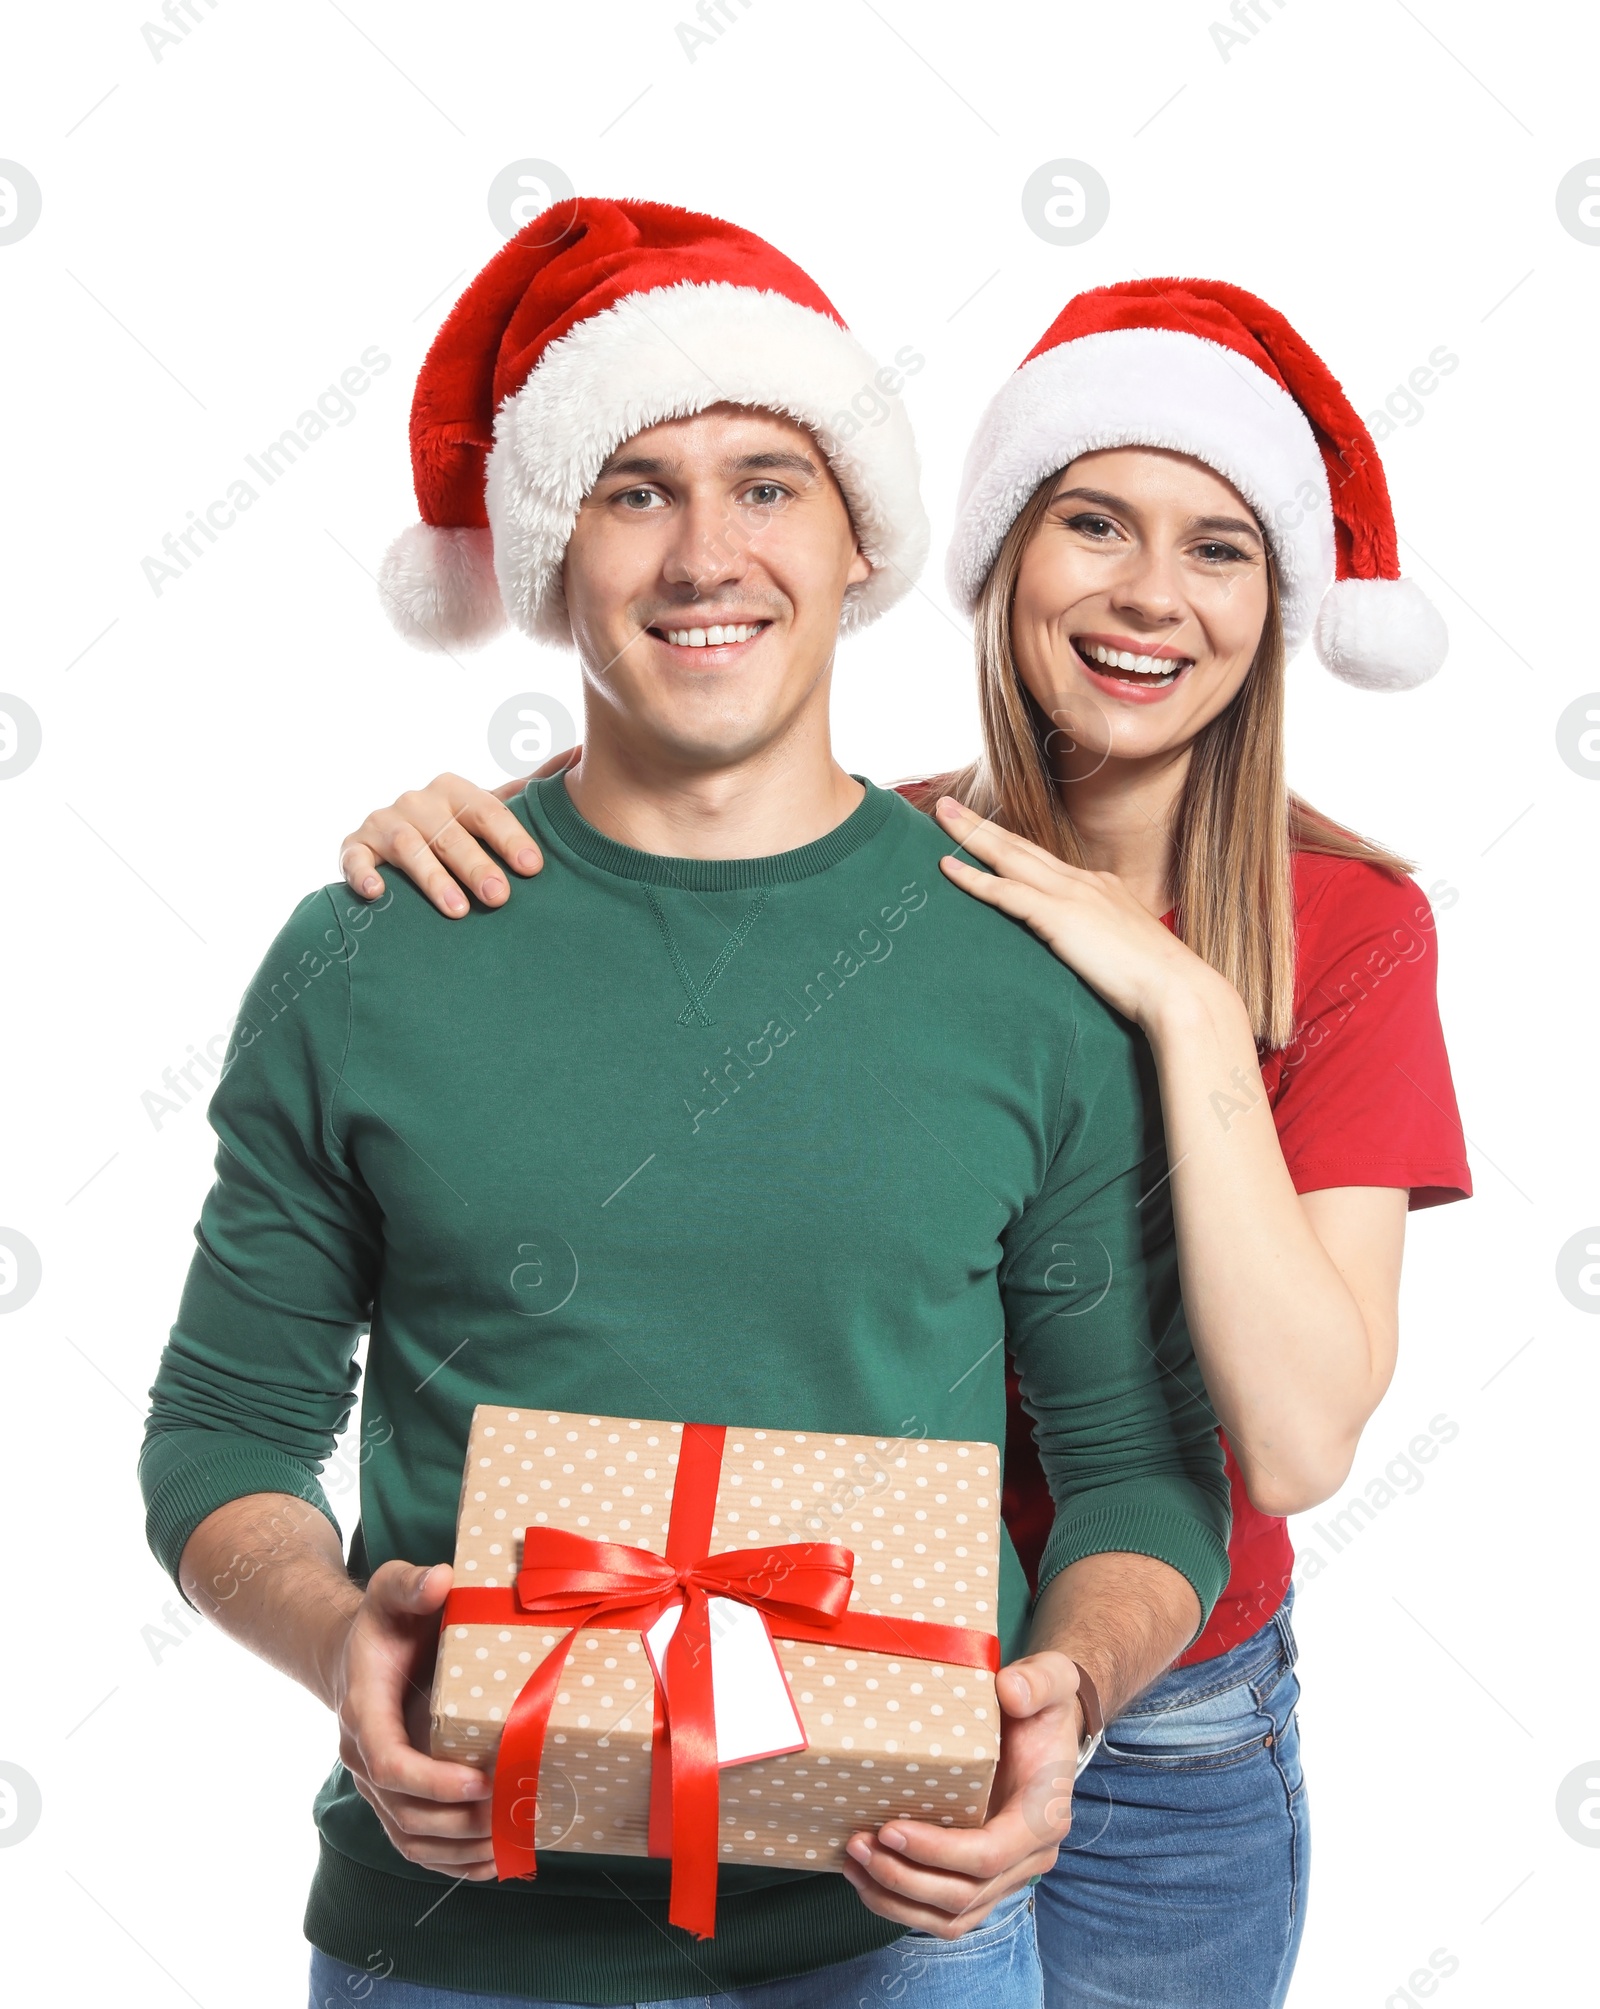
<point>438,587</point>
<point>1380,634</point>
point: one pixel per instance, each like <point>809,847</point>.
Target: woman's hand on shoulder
<point>433,835</point>
<point>1089,920</point>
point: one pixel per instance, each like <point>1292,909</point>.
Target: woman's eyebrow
<point>1098,495</point>
<point>1234,523</point>
<point>1105,500</point>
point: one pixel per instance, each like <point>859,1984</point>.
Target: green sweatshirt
<point>806,1141</point>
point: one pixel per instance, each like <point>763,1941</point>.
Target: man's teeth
<point>712,638</point>
<point>1123,659</point>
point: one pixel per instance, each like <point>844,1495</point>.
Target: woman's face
<point>1139,605</point>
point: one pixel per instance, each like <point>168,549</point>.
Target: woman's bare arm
<point>1292,1303</point>
<point>1292,1300</point>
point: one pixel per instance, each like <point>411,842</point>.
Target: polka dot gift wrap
<point>886,1734</point>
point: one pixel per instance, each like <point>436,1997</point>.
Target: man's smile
<point>723,641</point>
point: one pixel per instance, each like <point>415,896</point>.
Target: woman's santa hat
<point>1209,370</point>
<point>569,342</point>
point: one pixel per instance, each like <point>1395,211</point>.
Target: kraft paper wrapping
<point>887,1735</point>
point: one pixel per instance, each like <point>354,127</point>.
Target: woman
<point>1153,512</point>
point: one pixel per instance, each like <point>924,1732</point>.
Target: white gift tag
<point>756,1716</point>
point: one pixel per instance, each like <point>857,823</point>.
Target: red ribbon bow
<point>570,1580</point>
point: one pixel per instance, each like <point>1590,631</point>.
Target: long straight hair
<point>1235,823</point>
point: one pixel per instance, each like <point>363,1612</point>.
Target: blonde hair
<point>1235,824</point>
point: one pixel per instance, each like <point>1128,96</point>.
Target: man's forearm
<point>1124,1618</point>
<point>268,1570</point>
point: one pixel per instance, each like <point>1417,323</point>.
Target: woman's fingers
<point>487,817</point>
<point>1012,896</point>
<point>359,864</point>
<point>433,834</point>
<point>1001,850</point>
<point>404,845</point>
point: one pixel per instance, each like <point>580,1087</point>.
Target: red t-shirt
<point>1362,1096</point>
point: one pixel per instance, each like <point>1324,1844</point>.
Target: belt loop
<point>1280,1618</point>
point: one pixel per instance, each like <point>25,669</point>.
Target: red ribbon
<point>803,1589</point>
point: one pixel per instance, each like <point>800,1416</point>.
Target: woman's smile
<point>1124,667</point>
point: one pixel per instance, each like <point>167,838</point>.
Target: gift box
<point>718,1644</point>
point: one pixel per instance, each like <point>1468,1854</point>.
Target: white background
<point>223,232</point>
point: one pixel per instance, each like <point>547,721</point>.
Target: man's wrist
<point>334,1608</point>
<point>1091,1716</point>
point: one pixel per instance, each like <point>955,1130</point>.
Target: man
<point>741,1115</point>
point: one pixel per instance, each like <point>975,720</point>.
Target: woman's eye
<point>1097,527</point>
<point>1220,554</point>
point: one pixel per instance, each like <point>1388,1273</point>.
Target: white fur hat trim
<point>659,355</point>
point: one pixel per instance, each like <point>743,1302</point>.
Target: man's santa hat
<point>1209,370</point>
<point>590,324</point>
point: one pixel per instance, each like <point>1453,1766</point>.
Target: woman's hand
<point>1089,919</point>
<point>429,832</point>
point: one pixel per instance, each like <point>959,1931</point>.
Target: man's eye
<point>639,498</point>
<point>765,494</point>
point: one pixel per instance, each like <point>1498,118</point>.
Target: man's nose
<point>710,548</point>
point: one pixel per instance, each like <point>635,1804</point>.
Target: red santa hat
<point>589,325</point>
<point>1207,369</point>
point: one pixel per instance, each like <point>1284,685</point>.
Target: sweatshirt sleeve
<point>1096,1327</point>
<point>258,1375</point>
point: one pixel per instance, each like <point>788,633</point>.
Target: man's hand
<point>1124,1617</point>
<point>435,1813</point>
<point>947,1880</point>
<point>268,1570</point>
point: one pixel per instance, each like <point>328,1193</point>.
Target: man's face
<point>704,579</point>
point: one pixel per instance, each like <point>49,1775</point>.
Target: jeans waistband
<point>1271,1651</point>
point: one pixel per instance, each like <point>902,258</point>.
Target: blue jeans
<point>995,1965</point>
<point>1183,1882</point>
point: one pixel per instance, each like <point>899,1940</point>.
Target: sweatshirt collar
<point>549,802</point>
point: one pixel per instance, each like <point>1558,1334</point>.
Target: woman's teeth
<point>712,638</point>
<point>1160,669</point>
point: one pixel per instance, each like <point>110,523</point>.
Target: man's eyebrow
<point>637,463</point>
<point>1106,500</point>
<point>794,463</point>
<point>648,467</point>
